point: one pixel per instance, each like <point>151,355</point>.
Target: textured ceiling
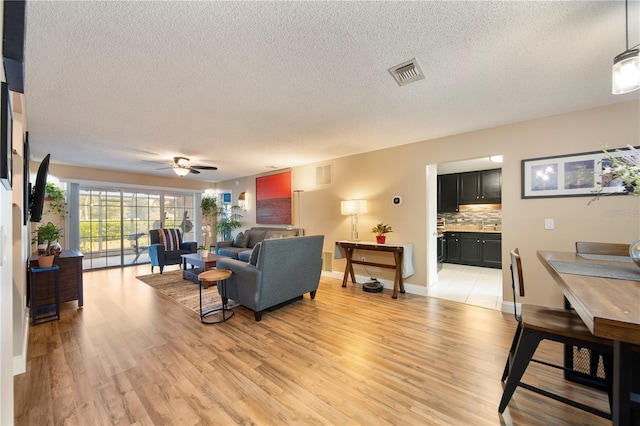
<point>248,86</point>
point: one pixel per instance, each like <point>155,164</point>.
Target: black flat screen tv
<point>39,190</point>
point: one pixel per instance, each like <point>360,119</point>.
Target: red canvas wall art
<point>273,199</point>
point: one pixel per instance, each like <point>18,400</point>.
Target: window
<point>114,224</point>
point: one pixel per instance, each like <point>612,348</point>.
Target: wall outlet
<point>549,224</point>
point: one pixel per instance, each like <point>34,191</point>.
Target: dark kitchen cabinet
<point>449,193</point>
<point>492,250</point>
<point>481,187</point>
<point>451,247</point>
<point>470,248</point>
<point>474,248</point>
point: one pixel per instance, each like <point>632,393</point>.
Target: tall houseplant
<point>223,219</point>
<point>50,233</point>
<point>228,220</point>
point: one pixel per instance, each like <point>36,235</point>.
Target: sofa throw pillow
<point>253,259</point>
<point>255,236</point>
<point>161,237</point>
<point>241,240</point>
<point>171,239</point>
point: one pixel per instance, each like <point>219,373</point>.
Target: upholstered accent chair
<point>167,247</point>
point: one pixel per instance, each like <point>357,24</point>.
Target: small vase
<point>634,251</point>
<point>380,239</point>
<point>203,253</point>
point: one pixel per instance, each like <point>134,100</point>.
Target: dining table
<point>604,290</point>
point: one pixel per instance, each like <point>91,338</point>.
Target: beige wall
<point>378,176</point>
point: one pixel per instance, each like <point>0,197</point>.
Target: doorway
<point>470,284</point>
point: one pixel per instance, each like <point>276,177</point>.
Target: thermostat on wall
<point>397,200</point>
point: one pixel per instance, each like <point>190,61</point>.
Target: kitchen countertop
<point>472,228</point>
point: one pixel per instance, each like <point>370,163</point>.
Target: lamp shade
<point>180,171</point>
<point>626,72</point>
<point>353,207</point>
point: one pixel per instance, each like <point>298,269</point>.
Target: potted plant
<point>56,198</point>
<point>380,230</point>
<point>51,234</point>
<point>228,220</point>
<point>203,250</point>
<point>223,219</point>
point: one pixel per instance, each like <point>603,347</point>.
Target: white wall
<point>6,299</point>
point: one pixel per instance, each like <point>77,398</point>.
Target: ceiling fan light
<point>626,72</point>
<point>181,171</point>
<point>182,162</point>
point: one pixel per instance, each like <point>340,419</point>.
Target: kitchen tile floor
<point>469,284</point>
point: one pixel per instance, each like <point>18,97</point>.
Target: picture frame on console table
<point>575,175</point>
<point>6,138</point>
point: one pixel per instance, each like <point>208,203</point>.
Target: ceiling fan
<point>182,167</point>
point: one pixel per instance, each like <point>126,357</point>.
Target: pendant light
<point>626,66</point>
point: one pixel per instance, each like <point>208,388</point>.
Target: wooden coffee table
<point>198,264</point>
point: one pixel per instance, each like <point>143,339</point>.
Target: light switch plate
<point>549,224</point>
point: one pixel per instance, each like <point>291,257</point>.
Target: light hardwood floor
<point>133,356</point>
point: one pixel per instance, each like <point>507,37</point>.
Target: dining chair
<point>538,323</point>
<point>611,249</point>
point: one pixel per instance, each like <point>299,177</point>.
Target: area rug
<point>184,292</point>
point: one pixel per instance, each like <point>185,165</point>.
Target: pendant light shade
<point>626,72</point>
<point>626,66</point>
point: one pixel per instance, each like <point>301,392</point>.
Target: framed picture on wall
<point>6,121</point>
<point>273,199</point>
<point>577,175</point>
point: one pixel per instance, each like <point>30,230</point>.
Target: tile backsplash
<point>473,215</point>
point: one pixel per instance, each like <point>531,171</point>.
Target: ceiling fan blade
<point>204,167</point>
<point>194,171</point>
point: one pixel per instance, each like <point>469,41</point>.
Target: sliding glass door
<point>114,224</point>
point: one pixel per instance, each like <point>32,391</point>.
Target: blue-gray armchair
<point>167,247</point>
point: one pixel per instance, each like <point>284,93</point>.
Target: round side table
<point>206,279</point>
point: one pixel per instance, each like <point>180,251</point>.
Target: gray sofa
<point>280,270</point>
<point>243,243</point>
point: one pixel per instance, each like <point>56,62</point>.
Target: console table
<point>71,287</point>
<point>402,255</point>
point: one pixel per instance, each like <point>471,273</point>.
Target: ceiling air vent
<point>407,72</point>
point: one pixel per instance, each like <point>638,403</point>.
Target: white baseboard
<point>20,360</point>
<point>408,287</point>
<point>508,307</point>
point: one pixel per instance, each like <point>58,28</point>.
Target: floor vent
<point>323,175</point>
<point>327,261</point>
<point>407,72</point>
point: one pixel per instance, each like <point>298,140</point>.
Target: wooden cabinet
<point>492,250</point>
<point>482,187</point>
<point>448,193</point>
<point>470,248</point>
<point>474,248</point>
<point>71,286</point>
<point>451,247</point>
